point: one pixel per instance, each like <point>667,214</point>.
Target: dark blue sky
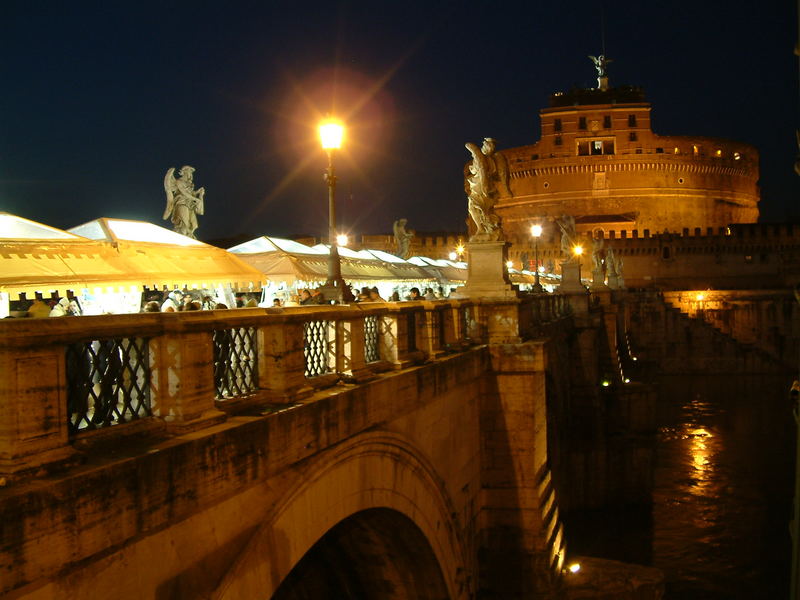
<point>99,101</point>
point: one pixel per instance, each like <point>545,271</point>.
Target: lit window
<point>597,147</point>
<point>718,153</point>
<point>737,156</point>
<point>676,151</point>
<point>695,150</point>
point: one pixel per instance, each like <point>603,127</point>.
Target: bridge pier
<point>521,538</point>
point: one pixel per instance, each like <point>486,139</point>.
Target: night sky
<point>99,100</point>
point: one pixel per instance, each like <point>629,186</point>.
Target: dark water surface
<point>722,498</point>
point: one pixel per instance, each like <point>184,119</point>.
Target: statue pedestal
<point>598,283</point>
<point>487,276</point>
<point>571,278</point>
<point>615,282</point>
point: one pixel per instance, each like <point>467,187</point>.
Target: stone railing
<point>67,382</point>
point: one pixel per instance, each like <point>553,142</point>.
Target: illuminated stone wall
<point>599,160</point>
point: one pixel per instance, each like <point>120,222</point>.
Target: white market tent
<point>159,258</point>
<point>39,258</point>
<point>290,265</point>
<point>109,257</point>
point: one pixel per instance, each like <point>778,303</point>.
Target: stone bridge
<point>394,450</point>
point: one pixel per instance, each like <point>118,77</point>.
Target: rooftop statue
<point>568,236</point>
<point>601,64</point>
<point>402,238</point>
<point>184,203</point>
<point>486,182</point>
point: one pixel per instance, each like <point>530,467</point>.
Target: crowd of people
<point>370,294</point>
<point>180,301</point>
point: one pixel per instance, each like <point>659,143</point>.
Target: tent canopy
<point>289,262</point>
<point>120,256</point>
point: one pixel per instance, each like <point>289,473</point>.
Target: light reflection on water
<point>722,487</point>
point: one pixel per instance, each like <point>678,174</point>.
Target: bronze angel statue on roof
<point>184,203</point>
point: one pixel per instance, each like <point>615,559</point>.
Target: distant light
<point>331,134</point>
<point>574,567</point>
<point>453,256</point>
<point>577,250</point>
<point>460,249</point>
<point>627,380</point>
<point>536,230</point>
<point>700,297</point>
<point>509,264</point>
<point>606,383</point>
<point>634,358</point>
<point>341,239</point>
<point>718,153</point>
<point>541,268</point>
<point>737,156</point>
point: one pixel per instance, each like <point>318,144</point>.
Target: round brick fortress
<point>599,160</point>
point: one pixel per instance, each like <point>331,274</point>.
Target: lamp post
<point>334,290</point>
<point>536,232</point>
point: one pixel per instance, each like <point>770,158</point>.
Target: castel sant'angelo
<point>680,211</point>
<point>599,160</point>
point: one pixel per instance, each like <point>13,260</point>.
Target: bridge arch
<point>373,483</point>
<point>376,553</point>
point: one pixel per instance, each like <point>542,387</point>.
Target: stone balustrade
<point>68,380</point>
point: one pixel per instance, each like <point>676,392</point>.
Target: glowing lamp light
<point>341,239</point>
<point>331,134</point>
<point>700,297</point>
<point>453,256</point>
<point>536,230</point>
<point>577,250</point>
<point>574,567</point>
<point>627,380</point>
<point>605,383</point>
<point>541,268</point>
<point>509,264</point>
<point>459,250</point>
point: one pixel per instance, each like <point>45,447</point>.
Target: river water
<point>723,482</point>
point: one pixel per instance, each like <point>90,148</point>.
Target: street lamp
<point>331,133</point>
<point>341,239</point>
<point>536,232</point>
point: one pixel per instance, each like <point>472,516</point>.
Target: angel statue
<point>568,236</point>
<point>598,276</point>
<point>601,64</point>
<point>184,203</point>
<point>402,238</point>
<point>485,183</point>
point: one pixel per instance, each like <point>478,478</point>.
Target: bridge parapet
<point>72,379</point>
